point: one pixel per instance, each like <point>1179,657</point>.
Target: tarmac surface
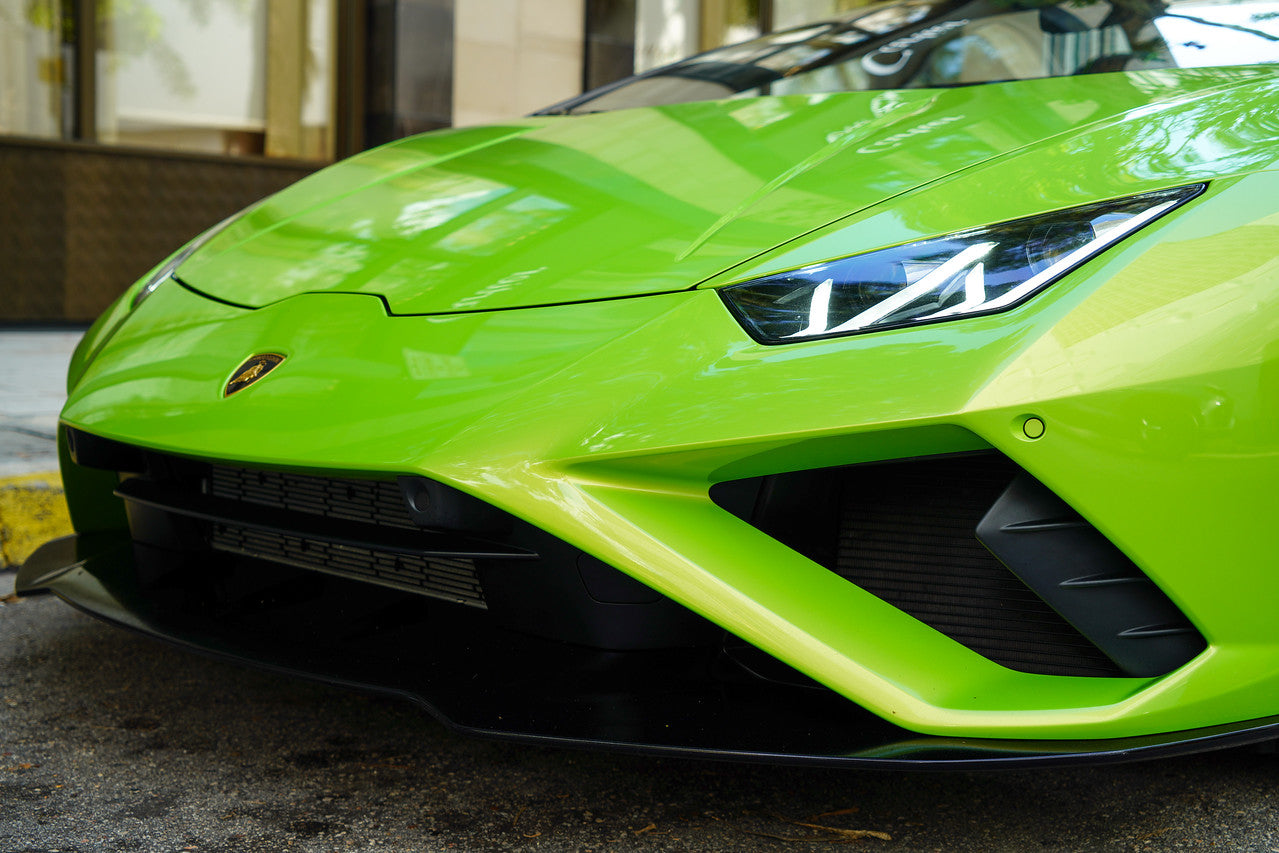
<point>114,742</point>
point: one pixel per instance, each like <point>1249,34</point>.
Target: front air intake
<point>906,532</point>
<point>218,522</point>
<point>907,535</point>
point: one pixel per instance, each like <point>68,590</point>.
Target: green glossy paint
<point>647,201</point>
<point>604,420</point>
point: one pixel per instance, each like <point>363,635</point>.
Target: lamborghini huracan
<point>900,390</point>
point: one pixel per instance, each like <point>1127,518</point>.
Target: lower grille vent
<point>377,502</point>
<point>451,579</point>
<point>906,534</point>
<point>217,523</point>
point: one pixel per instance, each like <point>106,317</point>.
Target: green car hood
<point>569,209</point>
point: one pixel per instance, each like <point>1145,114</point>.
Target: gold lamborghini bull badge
<point>253,369</point>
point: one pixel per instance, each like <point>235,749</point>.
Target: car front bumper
<point>493,683</point>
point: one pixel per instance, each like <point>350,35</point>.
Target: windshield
<point>920,44</point>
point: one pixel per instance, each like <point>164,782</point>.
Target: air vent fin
<point>1090,582</point>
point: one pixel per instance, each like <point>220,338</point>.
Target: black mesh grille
<point>451,579</point>
<point>368,501</point>
<point>225,522</point>
<point>349,527</point>
<point>906,534</point>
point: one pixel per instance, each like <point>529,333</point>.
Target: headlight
<point>161,275</point>
<point>960,275</point>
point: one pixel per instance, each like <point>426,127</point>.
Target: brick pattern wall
<point>80,223</point>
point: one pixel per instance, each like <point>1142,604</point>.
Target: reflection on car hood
<point>568,209</point>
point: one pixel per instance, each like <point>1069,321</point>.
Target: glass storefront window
<point>669,30</point>
<point>229,77</point>
<point>34,69</point>
<point>793,13</point>
<point>665,30</point>
<point>729,22</point>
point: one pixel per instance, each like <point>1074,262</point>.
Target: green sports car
<point>901,390</point>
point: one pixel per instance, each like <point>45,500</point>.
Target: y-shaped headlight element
<point>960,275</point>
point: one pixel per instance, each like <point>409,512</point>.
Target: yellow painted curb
<point>32,511</point>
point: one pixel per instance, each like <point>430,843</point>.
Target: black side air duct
<point>1084,577</point>
<point>976,548</point>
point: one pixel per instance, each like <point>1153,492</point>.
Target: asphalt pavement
<point>114,742</point>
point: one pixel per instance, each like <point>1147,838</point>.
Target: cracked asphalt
<point>114,742</point>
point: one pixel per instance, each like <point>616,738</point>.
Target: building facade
<point>128,127</point>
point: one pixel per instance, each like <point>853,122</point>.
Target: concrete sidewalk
<point>33,367</point>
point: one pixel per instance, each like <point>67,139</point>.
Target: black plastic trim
<point>1085,578</point>
<point>528,579</point>
<point>423,543</point>
<point>904,530</point>
<point>492,683</point>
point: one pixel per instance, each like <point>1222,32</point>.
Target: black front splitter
<point>486,681</point>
